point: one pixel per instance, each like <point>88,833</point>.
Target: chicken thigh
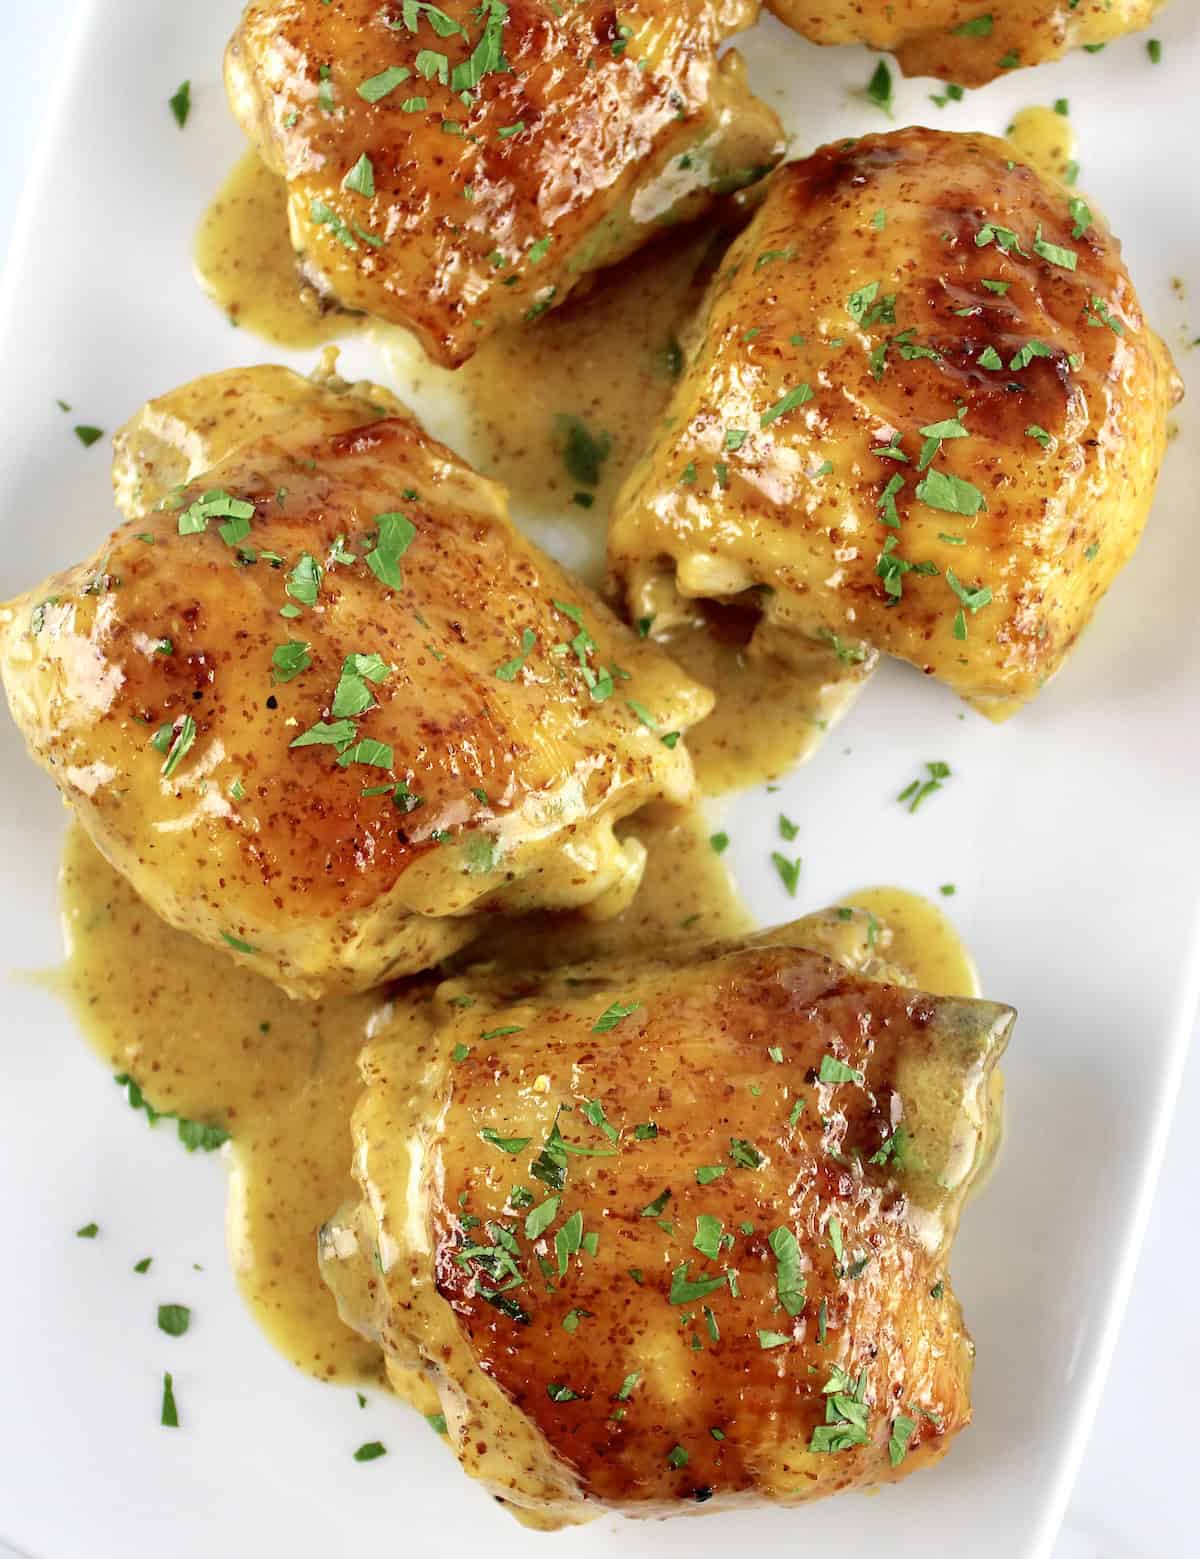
<point>968,41</point>
<point>924,416</point>
<point>674,1234</point>
<point>322,705</point>
<point>457,170</point>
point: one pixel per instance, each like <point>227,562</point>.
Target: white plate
<point>1070,832</point>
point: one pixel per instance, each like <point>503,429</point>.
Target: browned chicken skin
<point>675,1234</point>
<point>968,41</point>
<point>324,705</point>
<point>455,170</point>
<point>924,417</point>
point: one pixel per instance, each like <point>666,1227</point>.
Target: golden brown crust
<point>603,126</point>
<point>889,285</point>
<point>968,41</point>
<point>739,1172</point>
<point>477,704</point>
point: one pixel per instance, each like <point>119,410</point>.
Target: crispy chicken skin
<point>454,170</point>
<point>924,416</point>
<point>674,1236</point>
<point>968,41</point>
<point>312,744</point>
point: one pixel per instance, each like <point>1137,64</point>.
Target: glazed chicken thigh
<point>675,1234</point>
<point>322,704</point>
<point>968,41</point>
<point>924,417</point>
<point>460,169</point>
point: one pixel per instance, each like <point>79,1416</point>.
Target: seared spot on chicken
<point>322,705</point>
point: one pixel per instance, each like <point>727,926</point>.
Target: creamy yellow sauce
<point>215,1043</point>
<point>212,1042</point>
<point>923,941</point>
<point>545,409</point>
<point>770,714</point>
<point>245,262</point>
<point>1045,139</point>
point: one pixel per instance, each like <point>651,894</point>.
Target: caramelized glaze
<point>495,745</point>
<point>599,1373</point>
<point>888,285</point>
<point>453,217</point>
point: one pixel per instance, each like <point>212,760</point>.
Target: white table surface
<point>1133,1498</point>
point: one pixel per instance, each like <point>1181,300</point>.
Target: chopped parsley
<point>686,1290</point>
<point>949,493</point>
<point>1067,259</point>
<point>835,1071</point>
<point>376,87</point>
<point>540,1218</point>
<point>789,1280</point>
<point>396,532</point>
<point>902,1433</point>
<point>879,88</point>
<point>789,871</point>
<point>174,1320</point>
<point>799,396</point>
<point>505,1144</point>
<point>180,103</point>
<point>916,792</point>
<point>613,1015</point>
<point>304,582</point>
<point>708,1237</point>
<point>511,669</point>
<point>289,660</point>
<point>744,1154</point>
<point>361,177</point>
<point>583,451</point>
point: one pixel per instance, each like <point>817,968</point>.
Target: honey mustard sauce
<point>212,1042</point>
<point>560,411</point>
<point>1045,139</point>
<point>244,260</point>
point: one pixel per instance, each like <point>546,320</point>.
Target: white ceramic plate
<point>1070,833</point>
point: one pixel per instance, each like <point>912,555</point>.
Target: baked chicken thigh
<point>322,705</point>
<point>968,41</point>
<point>676,1234</point>
<point>453,170</point>
<point>924,416</point>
